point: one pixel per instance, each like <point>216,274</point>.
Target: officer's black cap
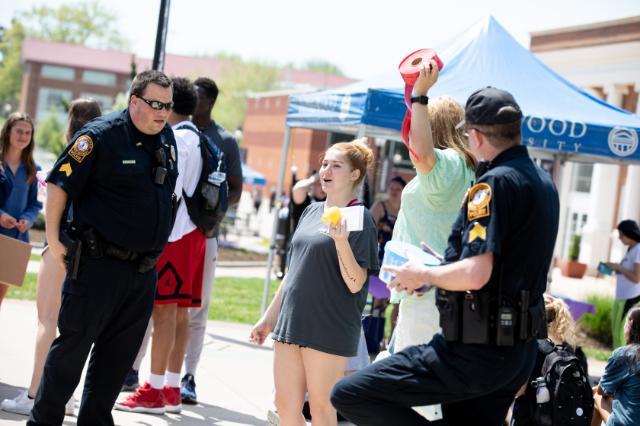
<point>489,106</point>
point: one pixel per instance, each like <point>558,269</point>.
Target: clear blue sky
<point>364,38</point>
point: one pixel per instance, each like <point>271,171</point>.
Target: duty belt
<point>96,247</point>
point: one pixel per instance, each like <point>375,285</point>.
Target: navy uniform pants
<point>108,306</point>
<point>474,383</point>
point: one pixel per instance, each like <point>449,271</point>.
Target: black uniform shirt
<point>108,173</point>
<point>511,211</point>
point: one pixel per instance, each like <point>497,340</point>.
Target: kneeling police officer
<point>489,290</point>
<point>119,172</point>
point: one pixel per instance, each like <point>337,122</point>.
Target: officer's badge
<point>66,169</point>
<point>81,148</point>
<point>478,231</point>
<point>478,201</point>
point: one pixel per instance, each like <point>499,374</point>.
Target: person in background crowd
<point>385,214</point>
<point>315,314</point>
<point>21,207</point>
<point>627,279</point>
<point>617,397</point>
<point>561,332</point>
<point>179,271</point>
<point>431,200</point>
<point>49,284</point>
<point>114,169</point>
<point>305,192</point>
<point>207,92</point>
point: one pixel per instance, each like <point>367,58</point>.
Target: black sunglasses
<point>157,105</point>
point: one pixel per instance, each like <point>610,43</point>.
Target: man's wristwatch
<point>422,99</point>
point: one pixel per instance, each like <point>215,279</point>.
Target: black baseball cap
<point>489,106</point>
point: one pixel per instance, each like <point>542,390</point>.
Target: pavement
<point>234,381</point>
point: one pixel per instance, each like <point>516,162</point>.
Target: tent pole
<point>272,243</point>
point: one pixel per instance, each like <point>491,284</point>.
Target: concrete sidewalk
<point>234,380</point>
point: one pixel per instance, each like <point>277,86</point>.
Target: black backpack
<point>210,199</point>
<point>571,397</point>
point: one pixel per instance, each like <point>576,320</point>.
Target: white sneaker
<point>70,406</point>
<point>21,404</point>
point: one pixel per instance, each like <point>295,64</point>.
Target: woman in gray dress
<point>315,315</point>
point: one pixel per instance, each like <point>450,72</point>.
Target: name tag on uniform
<point>128,161</point>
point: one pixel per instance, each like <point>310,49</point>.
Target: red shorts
<point>180,271</point>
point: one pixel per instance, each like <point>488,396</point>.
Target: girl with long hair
<point>49,284</point>
<point>21,207</point>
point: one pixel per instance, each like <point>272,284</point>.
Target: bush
<point>39,222</point>
<point>574,248</point>
<point>598,324</point>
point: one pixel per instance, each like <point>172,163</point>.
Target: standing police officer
<point>489,290</point>
<point>119,172</point>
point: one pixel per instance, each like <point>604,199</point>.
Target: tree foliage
<point>237,80</point>
<point>86,23</point>
<point>320,65</point>
<point>10,66</point>
<point>50,134</point>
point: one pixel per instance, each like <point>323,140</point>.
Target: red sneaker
<point>172,400</point>
<point>144,400</point>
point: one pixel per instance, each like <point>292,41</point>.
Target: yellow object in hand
<point>332,216</point>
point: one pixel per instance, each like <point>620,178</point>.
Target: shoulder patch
<point>81,148</point>
<point>478,201</point>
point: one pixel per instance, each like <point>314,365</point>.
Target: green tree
<point>50,134</point>
<point>86,23</point>
<point>10,65</point>
<point>237,80</point>
<point>320,65</point>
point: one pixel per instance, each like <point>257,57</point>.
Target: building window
<point>105,101</point>
<point>58,73</point>
<point>581,181</point>
<point>53,101</point>
<point>100,78</point>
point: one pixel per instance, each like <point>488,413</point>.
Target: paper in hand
<point>354,216</point>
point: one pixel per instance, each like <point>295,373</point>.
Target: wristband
<point>422,100</point>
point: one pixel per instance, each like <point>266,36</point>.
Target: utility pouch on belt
<point>74,252</point>
<point>475,317</point>
<point>449,305</point>
<point>93,246</point>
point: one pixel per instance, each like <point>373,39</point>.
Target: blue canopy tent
<point>252,177</point>
<point>561,120</point>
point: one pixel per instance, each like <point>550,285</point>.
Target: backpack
<point>210,199</point>
<point>571,397</point>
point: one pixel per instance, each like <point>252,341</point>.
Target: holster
<point>74,253</point>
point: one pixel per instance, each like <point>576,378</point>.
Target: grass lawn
<point>35,257</point>
<point>234,299</point>
<point>28,289</point>
<point>597,353</point>
<point>238,299</point>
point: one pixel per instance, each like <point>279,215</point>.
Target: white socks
<point>156,380</point>
<point>172,379</point>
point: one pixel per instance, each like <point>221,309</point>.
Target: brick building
<point>56,72</point>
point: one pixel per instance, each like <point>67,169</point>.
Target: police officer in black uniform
<point>489,290</point>
<point>119,173</point>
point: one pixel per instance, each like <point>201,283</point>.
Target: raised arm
<point>420,137</point>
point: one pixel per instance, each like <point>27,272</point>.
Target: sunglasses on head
<point>157,105</point>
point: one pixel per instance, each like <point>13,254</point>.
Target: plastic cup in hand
<point>397,253</point>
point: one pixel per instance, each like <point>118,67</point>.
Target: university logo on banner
<point>623,141</point>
